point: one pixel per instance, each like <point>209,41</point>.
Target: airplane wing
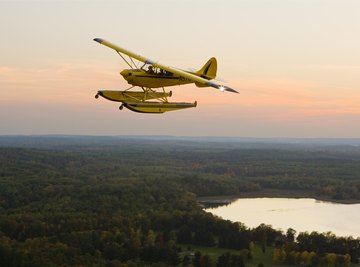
<point>181,73</point>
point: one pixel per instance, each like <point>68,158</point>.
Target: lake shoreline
<point>273,193</point>
<point>304,214</point>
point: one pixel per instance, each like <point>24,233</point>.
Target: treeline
<point>133,204</point>
<point>318,249</point>
<point>331,174</point>
<point>205,169</point>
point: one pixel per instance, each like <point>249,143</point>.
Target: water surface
<point>303,214</point>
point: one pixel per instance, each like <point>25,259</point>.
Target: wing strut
<point>136,66</point>
<point>125,59</point>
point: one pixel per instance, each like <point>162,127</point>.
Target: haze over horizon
<point>295,63</point>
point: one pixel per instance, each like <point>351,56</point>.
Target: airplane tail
<point>208,71</point>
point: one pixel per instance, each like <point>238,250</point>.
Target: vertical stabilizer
<point>208,71</point>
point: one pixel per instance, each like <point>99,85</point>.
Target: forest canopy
<point>122,201</point>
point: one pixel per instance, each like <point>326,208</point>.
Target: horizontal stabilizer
<point>222,88</point>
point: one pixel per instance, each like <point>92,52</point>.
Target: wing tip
<point>99,40</point>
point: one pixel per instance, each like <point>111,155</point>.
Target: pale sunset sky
<point>296,64</point>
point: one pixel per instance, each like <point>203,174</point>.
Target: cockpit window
<point>150,69</point>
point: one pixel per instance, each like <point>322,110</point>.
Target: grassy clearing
<point>264,258</point>
<point>214,253</point>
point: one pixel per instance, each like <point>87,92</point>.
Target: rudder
<point>208,71</point>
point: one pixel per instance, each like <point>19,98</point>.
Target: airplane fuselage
<point>153,75</point>
<point>142,78</point>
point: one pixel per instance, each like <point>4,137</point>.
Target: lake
<point>302,214</point>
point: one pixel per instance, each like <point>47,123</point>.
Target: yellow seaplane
<point>150,76</point>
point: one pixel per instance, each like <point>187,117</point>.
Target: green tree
<point>150,239</point>
<point>186,260</point>
<point>290,235</point>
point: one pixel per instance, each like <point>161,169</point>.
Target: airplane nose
<point>124,73</point>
